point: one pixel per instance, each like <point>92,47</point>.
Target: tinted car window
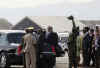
<point>3,40</point>
<point>63,39</point>
<point>15,37</point>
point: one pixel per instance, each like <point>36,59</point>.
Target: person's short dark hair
<point>50,27</point>
<point>75,30</point>
<point>97,30</point>
<point>87,29</point>
<point>97,27</point>
<point>92,30</point>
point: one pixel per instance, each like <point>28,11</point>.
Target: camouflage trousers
<point>72,60</point>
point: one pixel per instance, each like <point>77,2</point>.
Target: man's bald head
<point>50,29</point>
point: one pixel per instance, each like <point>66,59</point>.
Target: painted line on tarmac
<point>17,66</point>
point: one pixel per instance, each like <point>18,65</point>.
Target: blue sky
<point>15,10</point>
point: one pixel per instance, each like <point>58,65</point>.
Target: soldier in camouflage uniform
<point>72,44</point>
<point>72,50</point>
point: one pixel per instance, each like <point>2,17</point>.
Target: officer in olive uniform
<point>29,48</point>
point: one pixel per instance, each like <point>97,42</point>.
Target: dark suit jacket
<point>52,39</point>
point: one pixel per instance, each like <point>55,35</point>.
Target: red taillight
<point>19,49</point>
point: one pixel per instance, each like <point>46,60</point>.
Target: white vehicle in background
<point>63,38</point>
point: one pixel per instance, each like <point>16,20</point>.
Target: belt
<point>47,53</point>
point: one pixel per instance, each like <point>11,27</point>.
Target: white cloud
<point>25,3</point>
<point>34,3</point>
<point>80,1</point>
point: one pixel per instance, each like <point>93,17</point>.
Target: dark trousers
<point>24,61</point>
<point>98,58</point>
<point>73,60</point>
<point>38,61</point>
<point>92,56</point>
<point>86,58</point>
<point>47,61</point>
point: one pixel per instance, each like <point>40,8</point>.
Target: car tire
<point>3,60</point>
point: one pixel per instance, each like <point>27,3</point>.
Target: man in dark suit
<point>87,47</point>
<point>97,47</point>
<point>47,42</point>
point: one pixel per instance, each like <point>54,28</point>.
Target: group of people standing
<point>87,44</point>
<point>39,48</point>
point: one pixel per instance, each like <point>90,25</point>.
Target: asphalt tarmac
<point>61,62</point>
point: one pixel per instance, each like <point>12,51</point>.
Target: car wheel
<point>3,60</point>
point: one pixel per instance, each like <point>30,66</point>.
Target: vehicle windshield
<point>63,39</point>
<point>15,37</point>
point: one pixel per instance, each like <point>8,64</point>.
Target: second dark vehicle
<point>9,43</point>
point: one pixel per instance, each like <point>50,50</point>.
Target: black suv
<point>9,42</point>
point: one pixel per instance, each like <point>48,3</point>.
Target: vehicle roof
<point>63,34</point>
<point>12,31</point>
<point>97,25</point>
